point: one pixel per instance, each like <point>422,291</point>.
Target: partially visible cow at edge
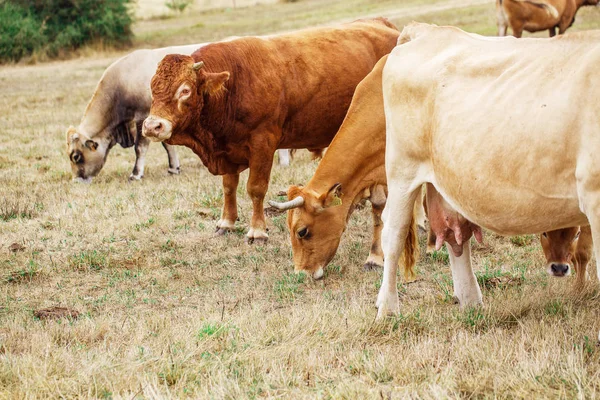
<point>352,169</point>
<point>234,103</point>
<point>537,15</point>
<point>512,158</point>
<point>115,113</point>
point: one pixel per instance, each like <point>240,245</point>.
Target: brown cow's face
<point>86,156</point>
<point>178,89</point>
<point>559,247</point>
<point>316,228</point>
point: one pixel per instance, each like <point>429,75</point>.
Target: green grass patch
<point>289,285</point>
<point>89,260</point>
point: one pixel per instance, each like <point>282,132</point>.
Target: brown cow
<point>319,211</point>
<point>566,249</point>
<point>235,103</point>
<point>537,15</point>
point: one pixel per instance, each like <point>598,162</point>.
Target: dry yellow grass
<point>169,311</point>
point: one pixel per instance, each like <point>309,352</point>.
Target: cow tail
<point>411,250</point>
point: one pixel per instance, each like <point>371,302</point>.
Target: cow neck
<point>209,137</point>
<point>99,113</point>
<point>215,125</point>
<point>356,156</point>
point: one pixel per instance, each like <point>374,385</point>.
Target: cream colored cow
<point>507,130</point>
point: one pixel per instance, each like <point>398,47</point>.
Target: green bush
<point>53,27</point>
<point>20,33</point>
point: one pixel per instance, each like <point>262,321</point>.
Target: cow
<point>234,103</point>
<point>505,130</point>
<point>537,15</point>
<point>567,249</point>
<point>318,212</point>
<point>115,113</point>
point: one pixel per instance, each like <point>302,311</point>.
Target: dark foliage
<point>55,27</point>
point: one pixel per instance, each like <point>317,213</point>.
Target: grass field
<point>167,310</point>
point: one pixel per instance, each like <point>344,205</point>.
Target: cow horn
<point>198,65</point>
<point>288,205</point>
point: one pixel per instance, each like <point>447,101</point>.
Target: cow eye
<point>545,235</point>
<point>184,92</point>
<point>303,233</point>
<point>577,236</point>
<point>76,157</point>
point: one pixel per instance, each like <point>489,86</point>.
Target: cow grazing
<point>537,15</point>
<point>566,249</point>
<point>319,211</point>
<point>235,103</point>
<point>115,113</point>
<point>506,131</point>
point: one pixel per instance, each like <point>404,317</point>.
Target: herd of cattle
<point>476,131</point>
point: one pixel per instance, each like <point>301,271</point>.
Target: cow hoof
<point>474,301</point>
<point>257,240</point>
<point>224,226</point>
<point>256,235</point>
<point>174,171</point>
<point>135,177</point>
<point>388,303</point>
<point>372,266</point>
<point>222,231</point>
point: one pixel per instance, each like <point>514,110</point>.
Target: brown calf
<point>235,103</point>
<point>566,249</point>
<point>537,15</point>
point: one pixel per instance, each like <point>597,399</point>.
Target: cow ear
<point>90,144</point>
<point>214,82</point>
<point>333,197</point>
<point>71,134</point>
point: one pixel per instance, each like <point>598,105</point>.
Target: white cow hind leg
<point>397,217</point>
<point>284,157</point>
<point>466,288</point>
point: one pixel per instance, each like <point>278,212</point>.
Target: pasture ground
<point>167,310</point>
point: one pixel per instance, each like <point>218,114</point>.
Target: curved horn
<point>288,205</point>
<point>198,65</point>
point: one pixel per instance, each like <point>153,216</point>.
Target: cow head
<point>87,156</point>
<point>316,222</point>
<point>179,90</point>
<point>559,247</point>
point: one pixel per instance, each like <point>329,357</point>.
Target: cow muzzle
<point>559,270</point>
<point>157,129</point>
<point>318,274</point>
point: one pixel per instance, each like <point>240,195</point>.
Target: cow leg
<point>284,157</point>
<point>501,19</point>
<point>397,220</point>
<point>420,217</point>
<point>141,148</point>
<point>258,183</point>
<point>517,30</point>
<point>583,254</point>
<point>552,31</point>
<point>173,159</point>
<point>377,199</point>
<point>466,288</point>
<point>229,213</point>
